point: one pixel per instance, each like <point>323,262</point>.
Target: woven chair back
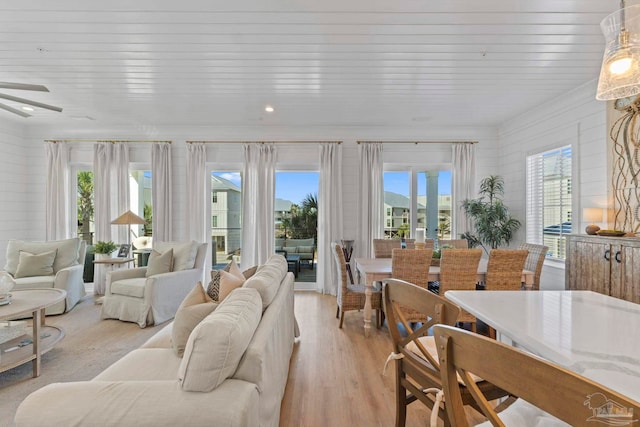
<point>504,270</point>
<point>535,261</point>
<point>382,247</point>
<point>454,243</point>
<point>341,268</point>
<point>411,265</point>
<point>459,271</point>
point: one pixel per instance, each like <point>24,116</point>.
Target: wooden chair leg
<point>337,311</point>
<point>492,332</point>
<point>341,319</point>
<point>401,397</point>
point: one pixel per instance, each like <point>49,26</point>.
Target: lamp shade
<point>128,218</point>
<point>620,71</point>
<point>592,215</point>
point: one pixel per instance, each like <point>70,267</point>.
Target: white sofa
<point>67,269</point>
<point>131,296</point>
<point>142,389</point>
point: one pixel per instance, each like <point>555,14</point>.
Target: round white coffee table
<point>20,350</point>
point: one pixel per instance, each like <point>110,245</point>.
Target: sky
<point>398,182</point>
<point>292,186</point>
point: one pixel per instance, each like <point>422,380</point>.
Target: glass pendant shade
<point>620,71</point>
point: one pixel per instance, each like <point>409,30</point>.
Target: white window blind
<point>549,199</point>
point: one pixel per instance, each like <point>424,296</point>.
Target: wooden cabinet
<point>608,265</point>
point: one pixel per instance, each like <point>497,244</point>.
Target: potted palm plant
<point>494,225</point>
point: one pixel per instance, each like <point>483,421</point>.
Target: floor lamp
<point>128,218</point>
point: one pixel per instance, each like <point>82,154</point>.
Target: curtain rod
<point>262,142</point>
<point>113,141</point>
<point>418,142</point>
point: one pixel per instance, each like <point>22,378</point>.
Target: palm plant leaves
<point>494,225</point>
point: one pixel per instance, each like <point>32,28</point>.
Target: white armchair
<point>132,297</point>
<point>65,272</point>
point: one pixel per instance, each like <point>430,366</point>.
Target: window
<point>226,212</point>
<point>429,207</point>
<point>549,190</point>
<point>84,203</point>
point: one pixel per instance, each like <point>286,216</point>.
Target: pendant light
<point>620,72</point>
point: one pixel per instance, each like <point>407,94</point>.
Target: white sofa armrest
<point>139,404</point>
<point>70,279</point>
<point>164,292</point>
<point>127,273</point>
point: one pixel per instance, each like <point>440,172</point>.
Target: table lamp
<point>592,215</point>
<point>128,218</point>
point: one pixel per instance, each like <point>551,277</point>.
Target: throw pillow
<point>222,283</point>
<point>196,306</point>
<point>217,344</point>
<point>30,265</point>
<point>250,271</point>
<point>159,262</point>
<point>233,268</point>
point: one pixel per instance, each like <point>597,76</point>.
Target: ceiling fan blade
<point>14,111</point>
<point>29,102</point>
<point>23,86</point>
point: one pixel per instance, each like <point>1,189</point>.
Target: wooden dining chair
<point>352,297</point>
<point>454,243</point>
<point>412,265</point>
<point>459,271</point>
<point>382,247</point>
<point>416,358</point>
<point>548,394</point>
<point>535,261</point>
<point>504,270</point>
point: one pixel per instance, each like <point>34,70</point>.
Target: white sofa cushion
<point>267,279</point>
<point>143,364</point>
<point>30,265</point>
<point>184,253</point>
<point>66,255</point>
<point>217,344</point>
<point>133,287</point>
<point>196,306</point>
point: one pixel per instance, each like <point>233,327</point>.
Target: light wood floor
<point>335,375</point>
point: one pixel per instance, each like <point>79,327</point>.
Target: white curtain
<point>161,190</point>
<point>102,158</point>
<point>258,192</point>
<point>330,214</point>
<point>196,191</point>
<point>58,218</point>
<point>464,178</point>
<point>370,207</point>
<point>120,168</point>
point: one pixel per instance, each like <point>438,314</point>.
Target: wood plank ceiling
<point>329,62</point>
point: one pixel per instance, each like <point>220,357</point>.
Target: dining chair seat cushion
<point>430,345</point>
<point>523,414</point>
<point>133,287</point>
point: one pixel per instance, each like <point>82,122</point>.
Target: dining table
<point>373,270</point>
<point>592,334</point>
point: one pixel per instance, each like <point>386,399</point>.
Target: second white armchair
<point>131,296</point>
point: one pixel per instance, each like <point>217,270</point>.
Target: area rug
<point>90,345</point>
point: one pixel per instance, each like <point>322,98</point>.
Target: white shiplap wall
<point>16,206</point>
<point>575,118</point>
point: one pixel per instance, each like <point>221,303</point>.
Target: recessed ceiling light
<point>269,109</point>
<point>27,108</point>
